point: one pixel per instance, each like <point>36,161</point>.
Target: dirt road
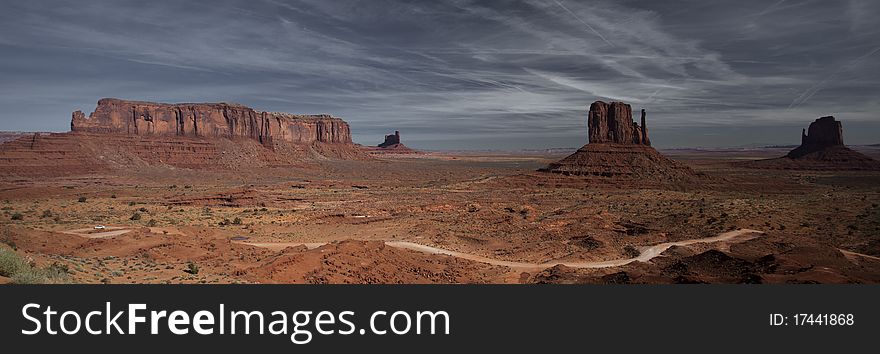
<point>647,253</point>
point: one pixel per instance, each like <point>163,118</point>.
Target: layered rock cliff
<point>225,120</point>
<point>613,123</point>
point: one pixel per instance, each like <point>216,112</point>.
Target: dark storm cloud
<point>459,73</point>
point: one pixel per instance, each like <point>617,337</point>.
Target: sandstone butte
<point>821,148</point>
<point>126,134</point>
<point>209,120</point>
<point>619,149</point>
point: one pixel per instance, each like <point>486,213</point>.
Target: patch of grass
<point>22,272</point>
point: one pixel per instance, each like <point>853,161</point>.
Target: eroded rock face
<point>391,139</point>
<point>225,120</point>
<point>613,123</point>
<point>823,133</point>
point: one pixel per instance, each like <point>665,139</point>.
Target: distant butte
<point>821,148</point>
<point>619,149</point>
<point>219,120</point>
<point>124,134</point>
<point>391,145</point>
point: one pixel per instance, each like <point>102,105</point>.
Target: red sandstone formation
<point>224,120</point>
<point>825,132</point>
<point>821,149</point>
<point>620,149</point>
<point>391,145</point>
<point>392,139</point>
<point>612,123</point>
<point>125,134</point>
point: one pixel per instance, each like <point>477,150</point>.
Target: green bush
<point>16,268</point>
<point>191,268</point>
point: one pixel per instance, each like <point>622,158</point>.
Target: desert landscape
<point>142,192</point>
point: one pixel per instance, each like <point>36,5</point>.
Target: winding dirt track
<point>647,253</point>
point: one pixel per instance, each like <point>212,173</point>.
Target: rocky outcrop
<point>821,149</point>
<point>823,133</point>
<point>391,139</point>
<point>226,120</point>
<point>391,146</point>
<point>619,150</point>
<point>613,123</point>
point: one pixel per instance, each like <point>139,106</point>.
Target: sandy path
<point>647,254</point>
<point>90,232</point>
<point>851,254</point>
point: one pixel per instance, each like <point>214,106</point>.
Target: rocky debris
<point>612,123</point>
<point>223,120</point>
<point>619,149</point>
<point>821,149</point>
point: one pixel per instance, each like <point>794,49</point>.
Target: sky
<point>459,74</point>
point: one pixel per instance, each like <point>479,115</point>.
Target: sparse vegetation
<point>20,271</point>
<point>152,223</point>
<point>17,216</point>
<point>135,216</point>
<point>82,199</point>
<point>236,221</point>
<point>631,251</point>
<point>47,213</point>
<point>191,268</point>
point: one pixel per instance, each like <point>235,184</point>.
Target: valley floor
<point>347,222</point>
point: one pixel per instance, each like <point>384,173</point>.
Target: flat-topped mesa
<point>613,123</point>
<point>823,133</point>
<point>222,120</point>
<point>391,139</point>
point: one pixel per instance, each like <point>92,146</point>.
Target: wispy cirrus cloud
<point>454,73</point>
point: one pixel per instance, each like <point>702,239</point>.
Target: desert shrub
<point>225,222</point>
<point>17,216</point>
<point>82,199</point>
<point>16,268</point>
<point>47,213</point>
<point>135,216</point>
<point>236,221</point>
<point>152,223</point>
<point>631,251</point>
<point>131,203</point>
<point>113,196</point>
<point>191,268</point>
<point>142,210</point>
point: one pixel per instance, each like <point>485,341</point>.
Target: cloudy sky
<point>459,74</point>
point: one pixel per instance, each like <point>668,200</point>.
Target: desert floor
<point>448,218</point>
